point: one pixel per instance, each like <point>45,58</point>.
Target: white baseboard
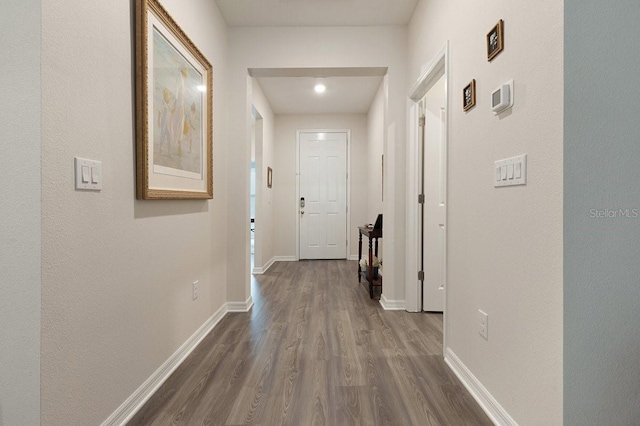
<point>263,269</point>
<point>240,306</point>
<point>353,257</point>
<point>260,271</point>
<point>392,305</point>
<point>285,259</point>
<point>130,407</point>
<point>487,402</point>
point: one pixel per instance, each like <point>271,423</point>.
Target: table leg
<point>359,253</point>
<point>370,271</point>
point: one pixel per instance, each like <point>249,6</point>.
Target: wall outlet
<point>194,289</point>
<point>483,324</point>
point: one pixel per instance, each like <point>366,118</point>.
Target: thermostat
<point>502,97</point>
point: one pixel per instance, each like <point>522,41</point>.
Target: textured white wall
<point>264,196</point>
<point>117,273</point>
<point>285,202</point>
<point>20,213</point>
<point>504,245</point>
<point>602,150</point>
<point>311,47</point>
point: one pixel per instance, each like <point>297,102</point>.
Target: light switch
<point>85,174</point>
<point>95,174</point>
<point>88,174</point>
<point>513,171</point>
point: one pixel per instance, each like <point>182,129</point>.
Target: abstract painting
<point>173,110</point>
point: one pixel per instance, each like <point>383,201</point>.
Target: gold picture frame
<point>469,95</point>
<point>495,40</point>
<point>269,177</point>
<point>174,110</point>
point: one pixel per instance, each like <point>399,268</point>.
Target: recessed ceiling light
<point>320,88</point>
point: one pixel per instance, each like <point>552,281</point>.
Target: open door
<point>434,178</point>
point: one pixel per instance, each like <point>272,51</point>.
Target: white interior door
<point>434,211</point>
<point>323,186</point>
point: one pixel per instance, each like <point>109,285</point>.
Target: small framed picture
<point>269,177</point>
<point>469,96</point>
<point>495,40</point>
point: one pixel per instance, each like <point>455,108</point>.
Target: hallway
<point>315,350</point>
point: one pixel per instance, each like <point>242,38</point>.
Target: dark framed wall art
<point>495,40</point>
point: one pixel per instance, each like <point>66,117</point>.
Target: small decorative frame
<point>269,177</point>
<point>174,110</point>
<point>495,40</point>
<point>469,96</point>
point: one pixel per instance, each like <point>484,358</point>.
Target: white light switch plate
<point>513,171</point>
<point>91,178</point>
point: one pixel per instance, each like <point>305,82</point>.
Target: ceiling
<point>291,91</point>
<point>258,13</point>
<point>344,95</point>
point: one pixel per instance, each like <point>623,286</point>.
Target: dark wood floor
<point>315,350</point>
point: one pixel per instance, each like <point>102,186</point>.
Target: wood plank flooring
<point>315,350</point>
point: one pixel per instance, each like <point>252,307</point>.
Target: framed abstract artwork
<point>469,96</point>
<point>174,115</point>
<point>495,40</point>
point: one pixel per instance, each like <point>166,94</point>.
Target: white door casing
<point>434,70</point>
<point>323,185</point>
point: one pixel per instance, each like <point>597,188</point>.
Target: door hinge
<point>420,198</point>
<point>423,121</point>
<point>420,275</point>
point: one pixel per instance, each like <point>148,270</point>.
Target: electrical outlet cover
<point>483,324</point>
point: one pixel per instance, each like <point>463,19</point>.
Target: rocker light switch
<point>95,175</point>
<point>85,174</point>
<point>513,171</point>
<point>88,174</point>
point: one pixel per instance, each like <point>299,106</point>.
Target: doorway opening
<point>427,190</point>
<point>255,195</point>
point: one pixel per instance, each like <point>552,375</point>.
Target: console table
<point>372,233</point>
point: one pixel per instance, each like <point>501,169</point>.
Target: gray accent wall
<point>20,270</point>
<point>602,237</point>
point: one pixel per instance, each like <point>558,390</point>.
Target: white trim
<point>353,257</point>
<point>269,264</point>
<point>392,305</point>
<point>487,402</point>
<point>261,270</point>
<point>286,259</point>
<point>132,405</point>
<point>348,192</point>
<point>438,66</point>
<point>240,306</point>
<point>435,68</point>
